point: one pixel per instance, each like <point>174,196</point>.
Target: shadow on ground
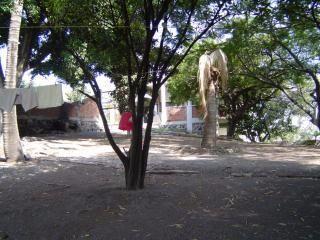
<point>260,192</point>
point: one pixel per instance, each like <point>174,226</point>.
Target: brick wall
<point>89,110</point>
<point>68,117</point>
<point>71,110</point>
<point>45,114</point>
<point>176,113</point>
<point>196,113</point>
<point>86,110</point>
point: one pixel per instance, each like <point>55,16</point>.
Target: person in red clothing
<point>126,123</point>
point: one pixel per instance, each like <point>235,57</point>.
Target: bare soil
<point>73,188</point>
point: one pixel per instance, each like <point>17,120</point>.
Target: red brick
<point>176,113</point>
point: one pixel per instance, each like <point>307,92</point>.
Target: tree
<point>243,92</point>
<point>282,35</point>
<point>33,36</point>
<point>268,120</point>
<point>147,57</point>
<point>270,49</point>
<point>12,146</point>
<point>213,75</point>
<point>32,50</point>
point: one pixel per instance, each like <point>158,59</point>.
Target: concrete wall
<point>189,118</point>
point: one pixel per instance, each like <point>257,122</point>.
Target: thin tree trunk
<point>134,170</point>
<point>231,127</point>
<point>1,123</point>
<point>24,54</point>
<point>209,138</point>
<point>2,77</point>
<point>136,161</point>
<point>11,139</point>
<point>147,136</point>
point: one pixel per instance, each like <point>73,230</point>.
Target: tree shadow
<point>230,192</point>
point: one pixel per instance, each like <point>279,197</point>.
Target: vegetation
<point>282,36</point>
<point>267,120</point>
<point>271,54</point>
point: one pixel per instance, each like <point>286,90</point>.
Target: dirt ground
<point>73,188</point>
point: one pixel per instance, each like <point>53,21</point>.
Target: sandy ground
<point>74,189</point>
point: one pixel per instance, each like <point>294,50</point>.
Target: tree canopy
<point>137,44</point>
<point>271,51</point>
<point>289,59</point>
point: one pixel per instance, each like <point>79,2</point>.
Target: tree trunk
<point>134,173</point>
<point>134,161</point>
<point>317,112</point>
<point>209,138</point>
<point>11,139</point>
<point>1,123</point>
<point>232,123</point>
<point>147,135</point>
<point>1,112</point>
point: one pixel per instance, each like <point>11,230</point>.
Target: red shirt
<point>126,121</point>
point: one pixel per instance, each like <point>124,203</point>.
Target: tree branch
<point>88,96</point>
<point>183,35</point>
<point>313,14</point>
<point>214,20</point>
<point>149,37</point>
<point>95,87</point>
<point>129,39</point>
<point>313,77</point>
<point>160,52</point>
<point>303,98</point>
<point>294,101</point>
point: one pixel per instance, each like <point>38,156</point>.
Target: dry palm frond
<point>215,62</point>
<point>204,76</point>
<point>219,61</point>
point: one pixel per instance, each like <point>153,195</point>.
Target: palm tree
<point>213,73</point>
<point>1,86</point>
<point>11,139</point>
